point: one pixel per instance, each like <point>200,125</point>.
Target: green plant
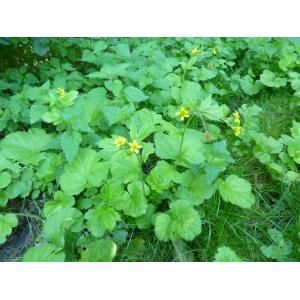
<point>116,140</point>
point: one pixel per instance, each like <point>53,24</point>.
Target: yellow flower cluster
<point>195,52</point>
<point>183,113</point>
<point>214,51</point>
<point>237,121</point>
<point>236,117</point>
<point>134,145</point>
<point>60,92</point>
<point>237,130</point>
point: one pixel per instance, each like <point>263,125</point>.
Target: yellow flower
<point>214,50</point>
<point>183,113</point>
<point>195,52</point>
<point>236,117</point>
<point>237,130</point>
<point>119,141</point>
<point>135,147</point>
<point>60,92</point>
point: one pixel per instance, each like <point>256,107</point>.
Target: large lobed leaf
<point>186,148</point>
<point>236,191</point>
<point>85,170</point>
<point>101,218</point>
<point>181,221</point>
<point>27,147</point>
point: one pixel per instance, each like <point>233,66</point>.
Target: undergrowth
<point>136,149</point>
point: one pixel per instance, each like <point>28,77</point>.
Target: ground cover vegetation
<point>149,149</point>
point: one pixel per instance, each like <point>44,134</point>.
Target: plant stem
<point>184,71</point>
<point>181,142</point>
<point>183,75</point>
<point>203,122</point>
<point>139,156</point>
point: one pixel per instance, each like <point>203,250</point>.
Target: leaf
<point>36,112</point>
<point>205,74</point>
<point>135,203</point>
<point>7,223</point>
<point>119,236</point>
<point>134,94</point>
<point>115,86</point>
<point>161,176</point>
<point>52,116</point>
<point>195,188</point>
<point>26,147</point>
<point>114,114</point>
<point>7,164</point>
<point>83,171</point>
<point>217,158</point>
<point>280,248</point>
<point>40,46</point>
<point>294,149</point>
<point>99,251</point>
<point>186,152</point>
<point>164,228</point>
<point>269,79</point>
<point>4,85</point>
<point>145,221</point>
<point>295,82</point>
<point>189,94</point>
<point>70,142</point>
<point>166,146</point>
<point>181,221</point>
<point>89,56</point>
<point>5,179</point>
<point>249,86</point>
<point>211,110</point>
<point>148,149</point>
<point>101,218</point>
<point>110,71</point>
<point>122,50</point>
<point>84,203</point>
<point>295,130</point>
<point>187,222</point>
<point>237,191</point>
<point>100,46</point>
<point>125,168</point>
<point>69,98</point>
<point>38,94</point>
<point>16,188</point>
<point>61,200</point>
<point>143,123</point>
<point>61,221</point>
<point>226,254</point>
<point>44,253</point>
<point>276,236</point>
<point>265,146</point>
<point>111,193</point>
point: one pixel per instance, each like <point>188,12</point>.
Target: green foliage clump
<point>120,141</point>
